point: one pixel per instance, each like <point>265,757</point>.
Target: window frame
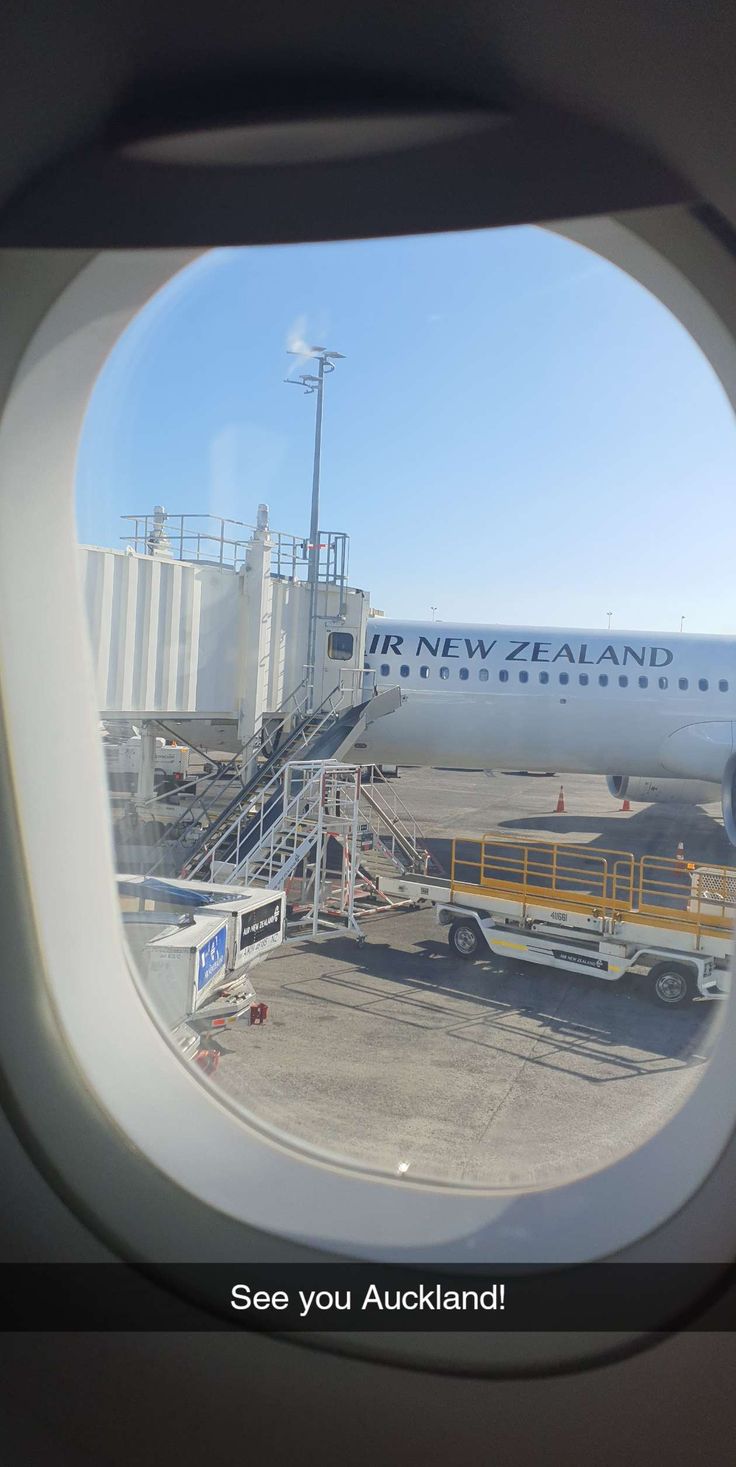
<point>67,915</point>
<point>343,656</point>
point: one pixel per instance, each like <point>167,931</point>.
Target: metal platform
<point>588,890</point>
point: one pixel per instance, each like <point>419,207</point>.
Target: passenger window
<point>218,635</point>
<point>682,683</point>
<point>340,646</point>
<point>723,686</point>
<point>623,681</point>
<point>703,684</point>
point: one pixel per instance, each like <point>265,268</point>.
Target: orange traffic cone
<point>680,853</point>
<point>560,809</point>
<point>626,806</point>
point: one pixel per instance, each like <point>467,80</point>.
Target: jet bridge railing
<point>210,540</point>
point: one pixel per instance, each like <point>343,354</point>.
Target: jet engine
<point>674,791</point>
<point>728,799</point>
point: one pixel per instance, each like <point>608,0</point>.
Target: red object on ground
<point>258,1013</point>
<point>626,805</point>
<point>208,1060</point>
<point>560,807</point>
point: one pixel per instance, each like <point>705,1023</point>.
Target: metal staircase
<point>227,823</point>
<point>326,846</point>
<point>399,844</point>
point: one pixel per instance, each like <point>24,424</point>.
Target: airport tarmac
<point>400,1056</point>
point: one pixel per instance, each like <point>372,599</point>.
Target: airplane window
<point>722,686</point>
<point>232,636</point>
<point>703,684</point>
<point>682,683</point>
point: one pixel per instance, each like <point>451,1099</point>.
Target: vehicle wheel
<point>465,939</point>
<point>672,984</point>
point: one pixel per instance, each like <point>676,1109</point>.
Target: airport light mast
<point>310,383</point>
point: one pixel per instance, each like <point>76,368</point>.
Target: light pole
<point>309,383</point>
<point>433,610</point>
<point>682,622</point>
<point>609,614</point>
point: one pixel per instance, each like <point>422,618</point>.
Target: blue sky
<point>518,433</point>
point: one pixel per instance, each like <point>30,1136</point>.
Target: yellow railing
<point>615,885</point>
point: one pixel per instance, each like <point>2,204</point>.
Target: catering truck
<point>195,945</point>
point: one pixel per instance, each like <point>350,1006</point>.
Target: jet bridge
<point>202,623</point>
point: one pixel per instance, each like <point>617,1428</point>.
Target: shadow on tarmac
<point>615,1025</point>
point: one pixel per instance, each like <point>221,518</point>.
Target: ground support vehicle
<point>195,945</point>
<point>586,910</point>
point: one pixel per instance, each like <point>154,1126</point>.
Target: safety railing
<point>399,833</point>
<point>242,810</point>
<point>614,885</point>
<point>211,540</point>
<point>694,896</point>
<point>554,872</point>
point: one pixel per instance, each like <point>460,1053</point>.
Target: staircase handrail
<point>266,794</point>
<point>326,712</point>
<point>299,807</point>
<point>405,833</point>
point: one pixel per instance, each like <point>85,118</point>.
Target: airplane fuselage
<point>638,703</point>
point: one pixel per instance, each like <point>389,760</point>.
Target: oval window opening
<point>286,764</point>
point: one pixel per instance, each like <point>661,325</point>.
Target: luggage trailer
<point>585,910</point>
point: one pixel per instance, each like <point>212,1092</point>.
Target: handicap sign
<point>211,957</point>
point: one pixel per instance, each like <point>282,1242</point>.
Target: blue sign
<point>211,958</point>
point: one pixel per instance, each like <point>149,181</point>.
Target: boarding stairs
<point>330,840</point>
<point>214,798</point>
<point>255,795</point>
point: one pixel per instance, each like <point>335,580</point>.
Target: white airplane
<point>653,713</point>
